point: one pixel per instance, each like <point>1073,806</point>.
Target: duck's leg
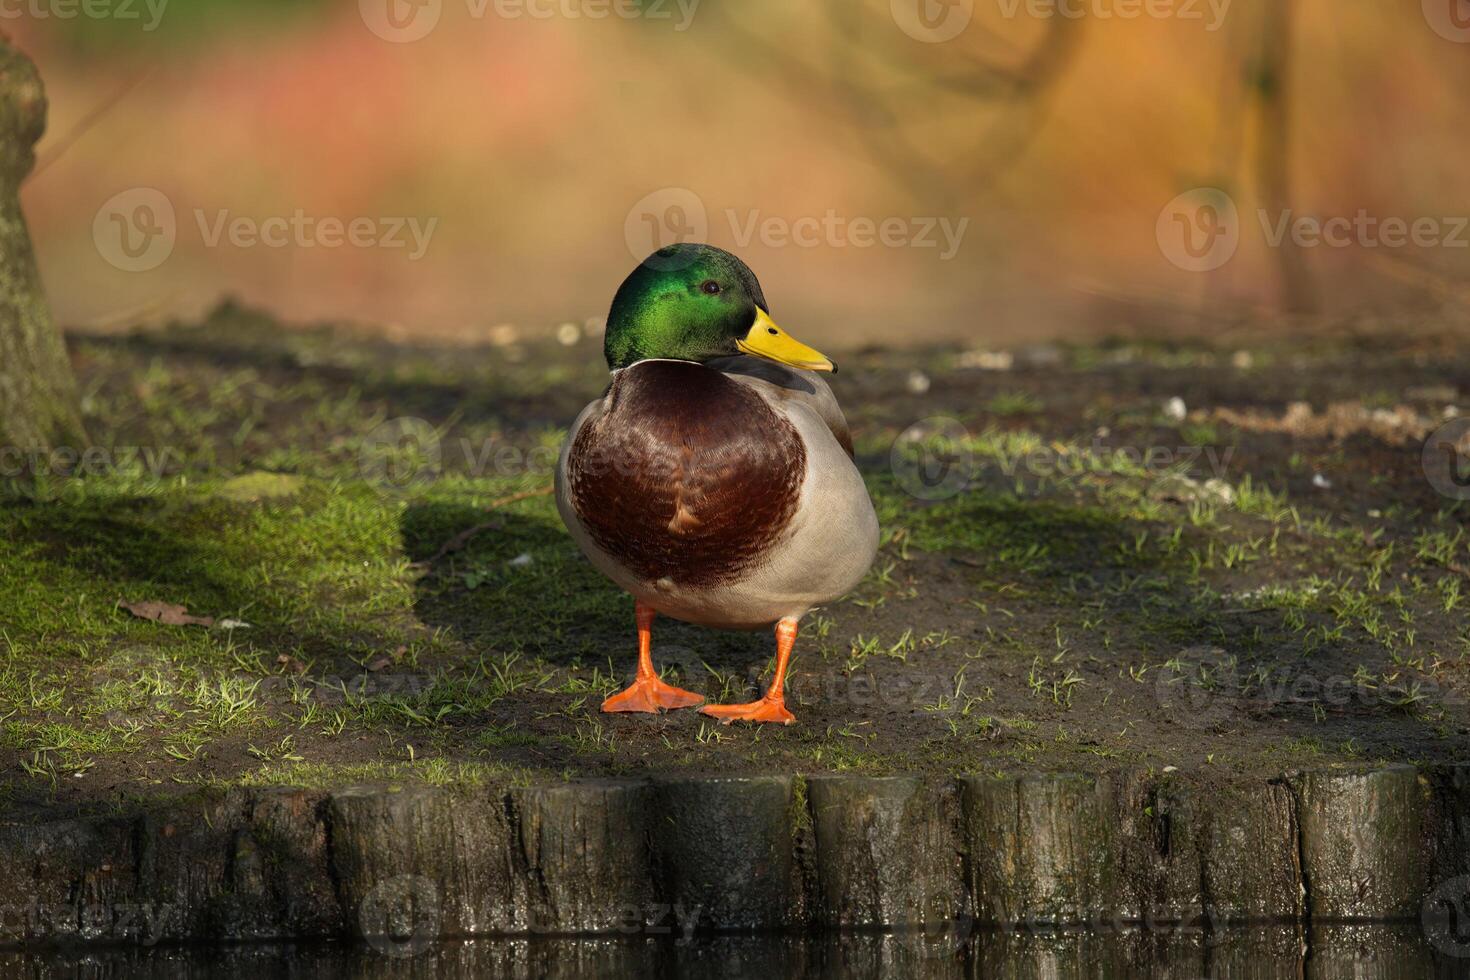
<point>647,692</point>
<point>772,707</point>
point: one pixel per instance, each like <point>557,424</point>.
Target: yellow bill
<point>767,340</point>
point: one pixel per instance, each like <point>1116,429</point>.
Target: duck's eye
<point>710,286</point>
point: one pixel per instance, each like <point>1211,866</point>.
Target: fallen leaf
<point>232,624</point>
<point>166,613</point>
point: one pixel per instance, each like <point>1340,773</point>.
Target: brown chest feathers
<point>687,475</point>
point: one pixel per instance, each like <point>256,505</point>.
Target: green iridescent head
<point>693,302</point>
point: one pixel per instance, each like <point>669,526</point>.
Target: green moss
<point>1021,623</point>
<point>251,487</point>
<point>1008,534</point>
<point>435,772</point>
<point>801,813</point>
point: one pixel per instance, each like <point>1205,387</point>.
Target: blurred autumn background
<point>541,146</point>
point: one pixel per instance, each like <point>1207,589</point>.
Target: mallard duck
<point>714,480</point>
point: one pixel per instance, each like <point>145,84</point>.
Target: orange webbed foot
<point>767,709</point>
<point>649,694</point>
<point>770,709</point>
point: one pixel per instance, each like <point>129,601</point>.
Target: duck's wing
<point>792,386</point>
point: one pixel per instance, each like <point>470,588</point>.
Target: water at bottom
<point>1329,952</point>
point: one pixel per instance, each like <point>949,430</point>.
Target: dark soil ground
<point>1077,573</point>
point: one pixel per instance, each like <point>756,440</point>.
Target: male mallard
<point>716,488</point>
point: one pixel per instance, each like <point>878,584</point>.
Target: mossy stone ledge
<point>752,854</point>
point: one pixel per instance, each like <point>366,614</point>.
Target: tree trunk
<point>1273,160</point>
<point>38,395</point>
